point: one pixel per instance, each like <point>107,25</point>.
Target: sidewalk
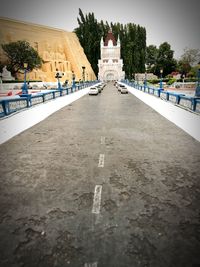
<point>21,121</point>
<point>184,119</point>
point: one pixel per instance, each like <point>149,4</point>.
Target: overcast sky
<point>174,21</point>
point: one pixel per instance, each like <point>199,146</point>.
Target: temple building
<point>110,65</point>
<point>59,49</point>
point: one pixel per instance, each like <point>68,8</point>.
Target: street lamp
<point>145,76</point>
<point>58,76</point>
<point>161,72</point>
<point>183,77</point>
<point>1,86</point>
<point>73,80</point>
<point>197,92</point>
<point>137,79</point>
<point>83,73</point>
<point>25,87</point>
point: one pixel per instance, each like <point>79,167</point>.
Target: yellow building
<point>58,48</point>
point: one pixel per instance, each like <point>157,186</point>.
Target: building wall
<point>110,65</point>
<point>58,48</point>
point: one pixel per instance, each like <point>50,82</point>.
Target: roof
<point>110,36</point>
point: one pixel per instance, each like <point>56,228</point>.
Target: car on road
<point>93,91</point>
<point>99,87</point>
<point>124,90</point>
<point>120,86</point>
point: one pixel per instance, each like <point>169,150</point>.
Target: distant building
<point>110,65</point>
<point>175,75</point>
<point>141,76</point>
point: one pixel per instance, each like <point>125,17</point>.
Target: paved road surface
<point>104,182</point>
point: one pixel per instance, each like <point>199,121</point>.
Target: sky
<point>174,21</point>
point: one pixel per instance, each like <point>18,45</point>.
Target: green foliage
<point>89,33</point>
<point>193,73</point>
<point>132,37</point>
<point>154,81</point>
<point>160,58</point>
<point>151,57</point>
<point>186,65</point>
<point>183,67</point>
<point>171,81</point>
<point>21,52</point>
<point>190,56</point>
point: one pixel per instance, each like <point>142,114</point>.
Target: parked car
<point>93,91</point>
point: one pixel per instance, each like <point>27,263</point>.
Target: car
<point>124,90</point>
<point>99,87</point>
<point>120,86</point>
<point>93,91</point>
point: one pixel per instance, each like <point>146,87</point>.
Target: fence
<point>9,106</point>
<point>187,102</point>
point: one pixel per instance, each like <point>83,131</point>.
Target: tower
<point>110,65</point>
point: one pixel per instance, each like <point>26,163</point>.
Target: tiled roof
<point>110,36</point>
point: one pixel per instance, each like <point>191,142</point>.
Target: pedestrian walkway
<point>184,119</point>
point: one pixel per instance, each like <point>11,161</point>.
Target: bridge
<point>105,181</point>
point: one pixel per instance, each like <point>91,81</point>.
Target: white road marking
<point>97,199</point>
<point>102,140</point>
<point>101,160</point>
<point>94,264</point>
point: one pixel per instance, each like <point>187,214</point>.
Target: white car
<point>120,86</point>
<point>93,91</point>
<point>124,90</point>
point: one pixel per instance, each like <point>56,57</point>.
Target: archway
<point>110,75</point>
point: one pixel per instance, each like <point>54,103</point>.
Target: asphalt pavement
<point>104,182</point>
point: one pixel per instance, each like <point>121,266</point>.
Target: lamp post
<point>83,73</point>
<point>197,92</point>
<point>25,87</point>
<point>183,77</point>
<point>145,77</point>
<point>161,72</point>
<point>73,80</point>
<point>1,86</point>
<point>58,76</point>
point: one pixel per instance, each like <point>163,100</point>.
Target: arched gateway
<point>110,65</point>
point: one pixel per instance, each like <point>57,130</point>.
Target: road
<point>104,182</point>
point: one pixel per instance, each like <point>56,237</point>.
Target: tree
<point>165,60</point>
<point>191,56</point>
<point>89,33</point>
<point>151,57</point>
<point>186,64</point>
<point>183,67</point>
<point>132,37</point>
<point>21,52</point>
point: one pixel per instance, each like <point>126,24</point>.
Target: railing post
<point>5,107</point>
<point>194,104</point>
<point>178,99</point>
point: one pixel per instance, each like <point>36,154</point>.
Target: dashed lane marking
<point>97,199</point>
<point>101,160</point>
<point>103,140</point>
<point>94,264</point>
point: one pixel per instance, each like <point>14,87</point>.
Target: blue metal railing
<point>188,102</point>
<point>9,106</point>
